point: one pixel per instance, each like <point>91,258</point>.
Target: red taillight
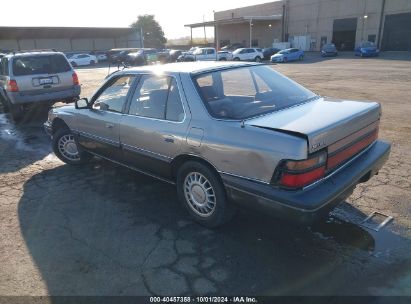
<point>75,79</point>
<point>298,180</point>
<point>12,86</point>
<point>300,173</point>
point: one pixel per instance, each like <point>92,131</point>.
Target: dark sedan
<point>268,52</point>
<point>329,49</point>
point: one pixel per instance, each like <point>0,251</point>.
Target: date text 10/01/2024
<point>203,300</point>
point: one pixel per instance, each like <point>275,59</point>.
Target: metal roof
<point>10,32</point>
<point>245,19</point>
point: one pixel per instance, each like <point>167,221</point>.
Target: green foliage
<point>152,32</point>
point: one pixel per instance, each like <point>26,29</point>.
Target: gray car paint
<point>250,149</point>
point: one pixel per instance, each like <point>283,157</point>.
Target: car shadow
<point>25,142</point>
<point>101,229</point>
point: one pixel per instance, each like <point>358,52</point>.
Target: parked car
<point>226,134</point>
<point>82,59</point>
<point>329,49</point>
<point>268,52</point>
<point>224,55</point>
<point>247,54</point>
<point>174,54</point>
<point>29,78</point>
<point>288,55</point>
<point>205,54</point>
<point>101,56</point>
<point>118,56</point>
<point>2,55</point>
<point>186,57</point>
<point>367,49</point>
<point>142,57</point>
<point>232,47</point>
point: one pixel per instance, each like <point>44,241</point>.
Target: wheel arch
<point>183,158</point>
<point>57,124</point>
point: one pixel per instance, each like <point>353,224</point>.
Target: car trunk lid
<point>324,122</point>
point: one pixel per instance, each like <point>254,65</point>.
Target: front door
<point>155,124</point>
<point>98,127</point>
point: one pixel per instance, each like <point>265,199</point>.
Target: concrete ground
<point>105,230</point>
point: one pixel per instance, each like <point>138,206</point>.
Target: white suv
<point>248,54</point>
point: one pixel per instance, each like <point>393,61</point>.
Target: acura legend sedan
<point>226,134</point>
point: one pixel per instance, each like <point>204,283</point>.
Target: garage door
<point>397,32</point>
<point>344,31</point>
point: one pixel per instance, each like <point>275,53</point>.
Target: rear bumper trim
<point>309,204</point>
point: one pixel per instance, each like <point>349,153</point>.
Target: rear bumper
<point>43,95</point>
<point>316,201</point>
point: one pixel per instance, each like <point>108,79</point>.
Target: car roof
<point>197,67</point>
<point>32,53</point>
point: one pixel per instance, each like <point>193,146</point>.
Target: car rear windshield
<point>33,65</point>
<point>245,92</point>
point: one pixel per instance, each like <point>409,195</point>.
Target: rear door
<point>98,127</point>
<point>39,73</point>
<point>155,124</point>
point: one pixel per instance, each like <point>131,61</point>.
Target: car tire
<point>236,59</point>
<point>203,195</point>
<point>92,62</point>
<point>257,59</point>
<point>285,59</point>
<point>301,57</point>
<point>66,148</point>
<point>16,112</point>
<point>4,104</point>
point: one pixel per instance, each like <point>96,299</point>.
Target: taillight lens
<point>75,79</point>
<point>12,86</point>
<point>299,173</point>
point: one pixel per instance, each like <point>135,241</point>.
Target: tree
<point>152,32</point>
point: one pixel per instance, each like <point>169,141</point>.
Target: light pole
<point>141,38</point>
<point>364,18</point>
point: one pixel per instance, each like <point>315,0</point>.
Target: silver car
<point>34,77</point>
<point>226,134</point>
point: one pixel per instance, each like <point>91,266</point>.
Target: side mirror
<point>82,103</point>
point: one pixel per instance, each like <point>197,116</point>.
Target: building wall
<point>67,45</point>
<point>312,17</point>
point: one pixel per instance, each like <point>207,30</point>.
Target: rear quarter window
<point>33,65</point>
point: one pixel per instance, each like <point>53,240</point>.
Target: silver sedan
<point>226,134</point>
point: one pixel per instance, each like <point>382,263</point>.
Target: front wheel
<point>203,195</point>
<point>65,147</point>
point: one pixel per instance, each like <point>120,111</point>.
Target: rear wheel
<point>16,112</point>
<point>257,59</point>
<point>203,195</point>
<point>65,147</point>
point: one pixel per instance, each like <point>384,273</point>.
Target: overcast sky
<point>171,14</point>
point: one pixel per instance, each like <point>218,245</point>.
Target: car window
<point>32,65</point>
<point>157,97</point>
<point>245,92</point>
<point>210,51</point>
<point>4,66</point>
<point>113,97</point>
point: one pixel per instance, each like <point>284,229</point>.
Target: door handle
<point>169,139</point>
<point>109,125</point>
